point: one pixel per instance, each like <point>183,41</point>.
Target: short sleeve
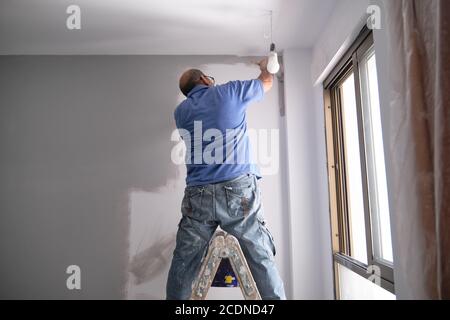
<point>176,116</point>
<point>245,91</point>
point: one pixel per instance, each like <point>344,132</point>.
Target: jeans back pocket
<point>192,201</point>
<point>241,199</point>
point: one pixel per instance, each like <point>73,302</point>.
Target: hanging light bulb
<point>272,64</point>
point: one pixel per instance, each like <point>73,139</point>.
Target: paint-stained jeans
<point>235,206</point>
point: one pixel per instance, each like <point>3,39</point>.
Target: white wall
<point>307,180</point>
<point>339,33</point>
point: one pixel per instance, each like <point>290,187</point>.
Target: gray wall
<point>85,140</point>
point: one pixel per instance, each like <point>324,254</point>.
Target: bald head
<point>190,79</point>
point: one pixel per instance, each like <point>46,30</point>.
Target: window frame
<point>339,216</point>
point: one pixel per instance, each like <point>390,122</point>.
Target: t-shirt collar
<point>196,89</point>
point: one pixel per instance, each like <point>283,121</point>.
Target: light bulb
<point>272,64</point>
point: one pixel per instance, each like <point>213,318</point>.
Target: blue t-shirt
<point>212,122</point>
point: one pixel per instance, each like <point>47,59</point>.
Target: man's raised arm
<point>266,77</point>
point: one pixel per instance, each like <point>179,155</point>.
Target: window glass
<point>355,200</point>
<point>376,169</point>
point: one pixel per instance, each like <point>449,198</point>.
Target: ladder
<point>224,246</point>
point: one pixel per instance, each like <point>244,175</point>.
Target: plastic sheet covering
<point>419,145</point>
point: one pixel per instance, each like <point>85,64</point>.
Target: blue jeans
<point>235,206</point>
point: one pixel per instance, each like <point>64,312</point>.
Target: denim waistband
<point>237,179</point>
<point>222,183</point>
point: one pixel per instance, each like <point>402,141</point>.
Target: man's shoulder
<point>243,90</point>
<point>238,85</point>
<point>180,106</point>
<point>178,110</point>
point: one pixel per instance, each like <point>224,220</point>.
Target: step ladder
<point>224,246</point>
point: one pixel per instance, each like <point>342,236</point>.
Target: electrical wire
<point>271,26</point>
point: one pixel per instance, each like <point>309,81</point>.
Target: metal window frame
<point>339,216</point>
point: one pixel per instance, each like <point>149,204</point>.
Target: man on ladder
<point>224,192</point>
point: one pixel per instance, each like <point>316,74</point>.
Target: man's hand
<point>263,64</point>
<point>265,76</point>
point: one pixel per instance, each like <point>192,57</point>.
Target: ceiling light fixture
<point>273,65</point>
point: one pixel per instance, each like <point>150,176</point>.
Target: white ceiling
<point>207,27</point>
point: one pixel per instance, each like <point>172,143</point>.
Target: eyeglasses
<point>211,78</point>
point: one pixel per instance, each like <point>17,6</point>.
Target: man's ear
<point>204,80</point>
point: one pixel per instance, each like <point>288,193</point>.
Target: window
<point>359,202</point>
